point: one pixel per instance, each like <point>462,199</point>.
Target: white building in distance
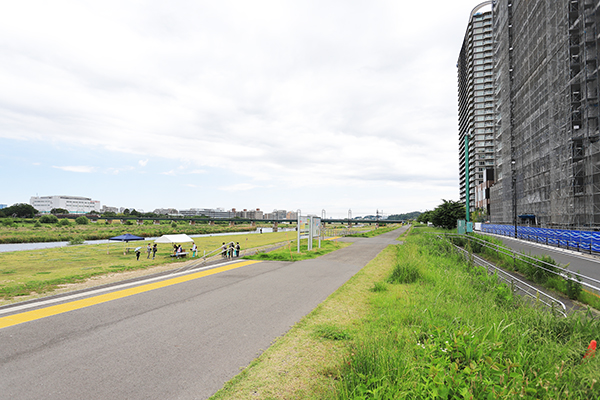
<point>73,204</point>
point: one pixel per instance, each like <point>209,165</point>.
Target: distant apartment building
<point>476,101</point>
<point>292,215</point>
<point>276,215</point>
<point>250,214</point>
<point>73,204</point>
<point>547,109</point>
<point>106,209</point>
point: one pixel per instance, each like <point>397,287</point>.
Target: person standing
<point>237,249</point>
<point>148,250</point>
<point>194,250</point>
<point>137,254</point>
<point>154,250</point>
<point>224,250</point>
<point>230,252</point>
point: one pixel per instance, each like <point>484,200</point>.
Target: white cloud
<point>79,168</point>
<point>143,163</point>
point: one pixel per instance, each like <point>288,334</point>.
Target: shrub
<point>49,219</point>
<point>82,220</point>
<point>65,222</point>
<point>76,240</point>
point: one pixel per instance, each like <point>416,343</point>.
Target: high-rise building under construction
<point>475,101</point>
<point>546,137</point>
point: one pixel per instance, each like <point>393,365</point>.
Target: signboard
<point>310,225</point>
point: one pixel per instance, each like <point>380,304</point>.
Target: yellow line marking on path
<point>75,305</point>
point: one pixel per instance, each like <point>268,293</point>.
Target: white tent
<point>174,239</point>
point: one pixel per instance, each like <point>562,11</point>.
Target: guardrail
<point>592,284</point>
<point>514,282</point>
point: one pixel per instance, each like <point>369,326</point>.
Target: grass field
<point>420,323</point>
<point>41,271</point>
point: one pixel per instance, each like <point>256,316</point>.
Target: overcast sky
<point>311,105</point>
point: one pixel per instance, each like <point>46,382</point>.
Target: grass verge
<point>289,251</point>
<point>376,232</point>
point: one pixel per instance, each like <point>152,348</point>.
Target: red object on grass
<point>591,350</point>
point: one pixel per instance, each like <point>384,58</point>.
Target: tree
<point>446,214</point>
<point>19,210</point>
<point>425,217</point>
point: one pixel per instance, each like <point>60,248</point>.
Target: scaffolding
<point>547,130</point>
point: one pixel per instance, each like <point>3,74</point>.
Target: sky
<point>342,106</point>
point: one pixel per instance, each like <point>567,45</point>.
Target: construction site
<point>546,133</point>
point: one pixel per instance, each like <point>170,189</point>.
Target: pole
<point>467,188</point>
<point>298,228</point>
<point>514,194</point>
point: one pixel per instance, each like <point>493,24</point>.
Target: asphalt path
<point>181,341</point>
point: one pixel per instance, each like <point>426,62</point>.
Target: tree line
<point>445,215</point>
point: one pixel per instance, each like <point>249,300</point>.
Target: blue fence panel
<point>571,239</point>
<point>595,241</point>
<point>585,241</point>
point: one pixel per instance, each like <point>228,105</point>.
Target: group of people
<point>230,250</point>
<point>149,249</point>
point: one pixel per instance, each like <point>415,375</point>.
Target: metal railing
<point>513,282</point>
<point>591,284</point>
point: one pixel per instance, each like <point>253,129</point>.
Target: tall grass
<point>541,269</point>
<point>455,333</point>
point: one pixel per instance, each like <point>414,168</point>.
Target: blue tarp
<point>126,237</point>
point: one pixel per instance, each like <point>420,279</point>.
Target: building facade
<point>475,101</point>
<point>73,204</point>
<point>547,160</point>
